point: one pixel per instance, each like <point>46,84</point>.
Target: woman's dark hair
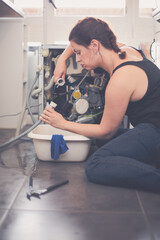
<point>93,28</point>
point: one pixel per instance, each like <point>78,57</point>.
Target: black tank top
<point>146,110</point>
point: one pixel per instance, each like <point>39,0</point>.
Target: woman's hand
<point>60,70</point>
<point>61,66</point>
<point>55,119</point>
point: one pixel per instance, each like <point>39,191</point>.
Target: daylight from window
<point>85,7</point>
<point>146,7</point>
<point>90,4</point>
<point>90,7</point>
<point>30,7</point>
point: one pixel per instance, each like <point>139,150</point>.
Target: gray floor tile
<point>20,156</point>
<point>73,226</point>
<point>78,195</point>
<point>11,182</point>
<point>2,212</point>
<point>6,134</point>
<point>154,220</point>
<point>150,202</point>
<point>79,210</point>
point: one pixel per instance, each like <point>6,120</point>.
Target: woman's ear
<point>94,45</point>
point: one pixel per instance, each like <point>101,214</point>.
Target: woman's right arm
<point>61,66</point>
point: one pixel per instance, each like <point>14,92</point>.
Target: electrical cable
<point>16,114</point>
<point>83,79</point>
<point>10,115</point>
<point>93,115</point>
<point>53,4</point>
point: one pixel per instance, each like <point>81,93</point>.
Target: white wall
<point>35,31</point>
<point>130,29</point>
<point>11,71</point>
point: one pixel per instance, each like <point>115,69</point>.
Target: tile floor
<point>79,210</point>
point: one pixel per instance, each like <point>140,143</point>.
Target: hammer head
<point>32,194</point>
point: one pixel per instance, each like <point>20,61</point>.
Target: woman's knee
<point>90,167</point>
<point>93,167</point>
<point>104,170</point>
<point>98,163</point>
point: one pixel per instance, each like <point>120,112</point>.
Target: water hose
<point>28,106</point>
<point>20,136</point>
<point>17,137</point>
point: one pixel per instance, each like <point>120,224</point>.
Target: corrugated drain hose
<point>20,136</point>
<point>28,106</point>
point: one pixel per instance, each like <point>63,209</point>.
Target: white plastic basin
<point>78,145</point>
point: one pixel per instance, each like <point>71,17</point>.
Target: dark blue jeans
<point>129,160</point>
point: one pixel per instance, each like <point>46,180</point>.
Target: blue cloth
<point>58,146</point>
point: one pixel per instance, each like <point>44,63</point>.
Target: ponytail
<point>93,28</point>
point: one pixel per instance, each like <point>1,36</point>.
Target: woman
<point>130,159</point>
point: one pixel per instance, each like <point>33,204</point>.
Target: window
<point>30,7</point>
<point>146,7</point>
<point>90,7</point>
